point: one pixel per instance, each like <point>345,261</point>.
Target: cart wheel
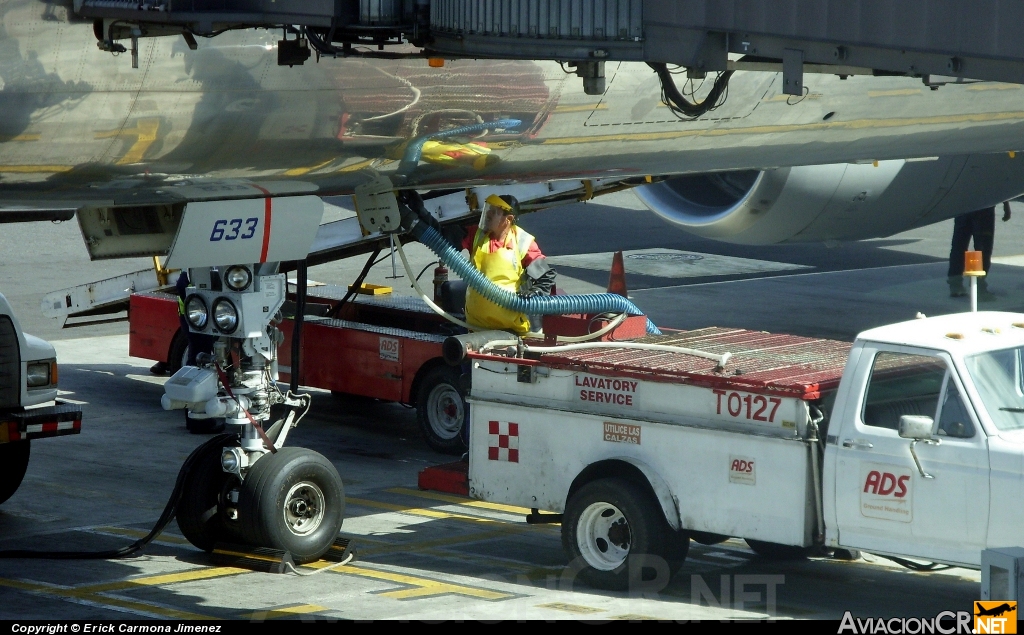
<point>775,551</point>
<point>13,464</point>
<point>293,501</point>
<point>178,355</point>
<point>611,526</point>
<point>441,411</point>
<point>203,510</point>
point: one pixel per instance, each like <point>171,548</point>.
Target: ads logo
<point>742,470</point>
<point>885,492</point>
<point>995,617</point>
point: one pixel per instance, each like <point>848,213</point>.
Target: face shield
<point>493,213</point>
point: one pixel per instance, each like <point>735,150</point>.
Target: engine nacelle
<point>843,201</point>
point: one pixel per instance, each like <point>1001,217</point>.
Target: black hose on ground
<point>165,518</point>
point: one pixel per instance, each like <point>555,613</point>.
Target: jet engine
<point>843,201</point>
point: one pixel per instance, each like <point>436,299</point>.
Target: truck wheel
<point>441,411</point>
<point>178,355</point>
<point>775,551</point>
<point>203,510</point>
<point>293,501</point>
<point>611,526</point>
<point>13,465</point>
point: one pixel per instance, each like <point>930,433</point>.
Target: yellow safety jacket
<point>503,267</point>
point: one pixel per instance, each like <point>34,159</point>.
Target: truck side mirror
<point>916,427</point>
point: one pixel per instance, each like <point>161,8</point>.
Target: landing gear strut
<point>250,488</point>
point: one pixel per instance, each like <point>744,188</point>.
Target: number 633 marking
<point>230,229</point>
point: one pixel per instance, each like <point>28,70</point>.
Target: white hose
<point>423,296</point>
<point>722,359</point>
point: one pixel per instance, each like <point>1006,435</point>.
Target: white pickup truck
<point>909,442</point>
<point>29,408</point>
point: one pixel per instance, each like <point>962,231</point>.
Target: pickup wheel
<point>441,411</point>
<point>13,465</point>
<point>203,512</point>
<point>614,533</point>
<point>775,551</point>
<point>293,501</point>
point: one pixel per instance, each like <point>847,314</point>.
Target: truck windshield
<point>997,376</point>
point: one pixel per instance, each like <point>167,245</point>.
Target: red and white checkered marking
<point>503,441</point>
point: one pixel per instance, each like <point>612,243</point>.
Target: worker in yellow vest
<point>510,258</point>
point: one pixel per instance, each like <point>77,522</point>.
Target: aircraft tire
<point>293,501</point>
<point>202,511</point>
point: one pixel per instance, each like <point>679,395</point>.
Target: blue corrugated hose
<point>536,305</point>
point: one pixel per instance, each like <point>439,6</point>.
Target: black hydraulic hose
<point>336,309</point>
<point>678,102</point>
<point>165,518</point>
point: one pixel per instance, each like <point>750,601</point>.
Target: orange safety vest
<point>503,267</point>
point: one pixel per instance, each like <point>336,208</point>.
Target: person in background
<point>980,227</point>
<point>510,258</point>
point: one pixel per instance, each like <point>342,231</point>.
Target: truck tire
<point>13,465</point>
<point>178,355</point>
<point>441,410</point>
<point>775,551</point>
<point>293,501</point>
<point>202,511</point>
<point>613,530</point>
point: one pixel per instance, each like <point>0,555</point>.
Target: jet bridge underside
<point>940,40</point>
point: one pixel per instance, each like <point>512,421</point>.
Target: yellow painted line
<point>422,587</point>
<point>784,97</point>
<point>287,611</point>
<point>356,166</point>
<point>427,545</point>
<point>22,137</point>
<point>903,92</point>
<point>138,533</point>
<point>580,107</point>
<point>191,575</point>
<point>301,171</point>
<point>459,500</point>
<point>417,511</point>
<point>35,169</point>
<point>101,600</point>
<point>570,608</point>
<point>994,87</point>
<point>856,124</point>
<point>146,132</point>
<point>635,617</point>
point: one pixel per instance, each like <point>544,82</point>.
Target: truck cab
<point>29,408</point>
<point>925,448</point>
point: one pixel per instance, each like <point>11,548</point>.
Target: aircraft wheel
<point>203,511</point>
<point>178,355</point>
<point>13,465</point>
<point>441,411</point>
<point>293,501</point>
<point>613,530</point>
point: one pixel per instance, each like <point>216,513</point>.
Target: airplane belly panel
<point>80,123</point>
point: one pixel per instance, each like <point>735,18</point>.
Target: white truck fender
<point>669,504</point>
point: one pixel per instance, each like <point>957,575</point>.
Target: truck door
<point>884,501</point>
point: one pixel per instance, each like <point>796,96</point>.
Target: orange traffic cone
<point>617,279</point>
